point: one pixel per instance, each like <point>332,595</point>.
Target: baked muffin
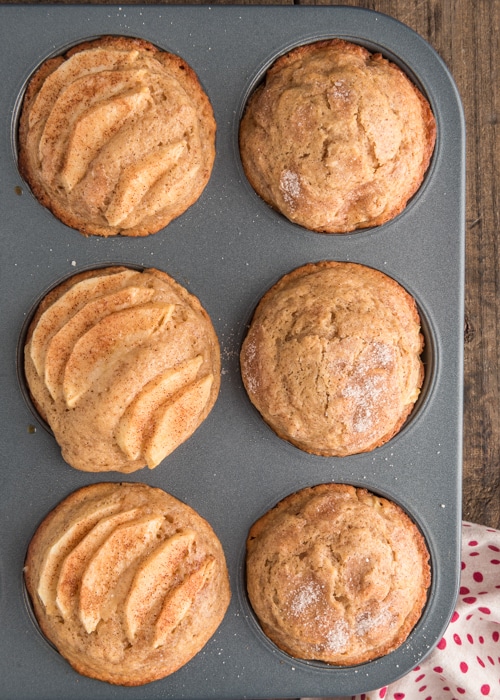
<point>123,365</point>
<point>332,358</point>
<point>337,574</point>
<point>336,138</point>
<point>127,582</point>
<point>116,137</point>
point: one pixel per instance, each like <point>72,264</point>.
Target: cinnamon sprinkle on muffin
<point>116,137</point>
<point>126,581</point>
<point>336,138</point>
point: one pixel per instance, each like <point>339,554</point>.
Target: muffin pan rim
<point>367,233</point>
<point>430,357</point>
<point>319,666</point>
<point>258,78</point>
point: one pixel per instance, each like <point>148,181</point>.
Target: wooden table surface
<point>466,33</point>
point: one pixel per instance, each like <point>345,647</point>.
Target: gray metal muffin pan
<point>228,249</point>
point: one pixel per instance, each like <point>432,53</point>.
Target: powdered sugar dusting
<point>338,636</point>
<point>366,622</point>
<point>290,186</point>
<point>251,378</point>
<point>366,388</point>
<point>339,90</point>
<point>304,597</point>
<point>382,354</point>
<point>365,391</point>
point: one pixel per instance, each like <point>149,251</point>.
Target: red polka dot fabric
<point>465,665</point>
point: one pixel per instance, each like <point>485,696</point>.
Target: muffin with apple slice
<point>126,581</point>
<point>123,365</point>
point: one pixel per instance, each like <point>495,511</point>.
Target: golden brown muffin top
<point>337,574</point>
<point>124,365</point>
<point>332,357</point>
<point>336,138</point>
<point>126,581</point>
<point>116,137</point>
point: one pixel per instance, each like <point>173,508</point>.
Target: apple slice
<point>111,338</point>
<point>119,162</point>
<point>138,415</point>
<point>59,348</point>
<point>75,67</point>
<point>153,579</point>
<point>135,370</point>
<point>167,192</point>
<point>179,601</point>
<point>76,561</point>
<point>49,571</point>
<point>139,177</point>
<point>58,313</point>
<point>126,543</point>
<point>95,128</point>
<point>73,103</point>
<point>176,420</point>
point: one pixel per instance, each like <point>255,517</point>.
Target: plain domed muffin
<point>126,581</point>
<point>116,137</point>
<point>337,574</point>
<point>336,138</point>
<point>123,365</point>
<point>331,359</point>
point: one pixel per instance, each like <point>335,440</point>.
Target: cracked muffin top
<point>336,138</point>
<point>126,581</point>
<point>337,574</point>
<point>116,137</point>
<point>331,359</point>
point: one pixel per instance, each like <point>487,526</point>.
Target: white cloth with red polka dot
<point>465,664</point>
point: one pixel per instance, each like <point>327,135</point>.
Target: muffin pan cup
<point>228,249</point>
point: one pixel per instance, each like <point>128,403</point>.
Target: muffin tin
<point>228,249</point>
